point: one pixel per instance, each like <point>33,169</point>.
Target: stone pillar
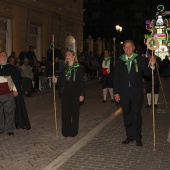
<point>70,43</point>
<point>103,44</point>
<point>89,41</point>
<point>99,44</point>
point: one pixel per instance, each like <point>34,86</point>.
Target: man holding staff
<point>128,88</point>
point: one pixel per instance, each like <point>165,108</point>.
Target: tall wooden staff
<point>54,89</point>
<point>155,46</point>
<point>114,39</point>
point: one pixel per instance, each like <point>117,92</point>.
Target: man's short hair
<point>126,41</point>
<point>3,52</point>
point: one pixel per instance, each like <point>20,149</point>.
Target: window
<point>5,35</point>
<point>35,39</point>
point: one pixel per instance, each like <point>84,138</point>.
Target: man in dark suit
<point>128,89</point>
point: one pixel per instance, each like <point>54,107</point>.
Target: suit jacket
<point>76,86</point>
<point>122,79</point>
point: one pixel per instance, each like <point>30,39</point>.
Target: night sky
<point>101,18</point>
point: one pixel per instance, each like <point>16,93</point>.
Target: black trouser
<point>36,80</point>
<point>7,109</point>
<point>70,113</point>
<point>107,81</point>
<point>132,118</point>
<point>149,86</point>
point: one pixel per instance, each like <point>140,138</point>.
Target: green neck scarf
<point>106,60</point>
<point>4,64</point>
<point>127,62</point>
<point>70,68</point>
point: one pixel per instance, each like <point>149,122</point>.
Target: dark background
<point>101,17</point>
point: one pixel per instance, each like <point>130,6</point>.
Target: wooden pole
<point>54,89</point>
<point>114,39</point>
<point>153,108</point>
<point>153,47</point>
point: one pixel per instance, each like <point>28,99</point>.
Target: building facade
<point>33,22</point>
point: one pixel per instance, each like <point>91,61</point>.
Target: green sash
<point>4,64</point>
<point>127,62</point>
<point>70,68</point>
<point>106,60</point>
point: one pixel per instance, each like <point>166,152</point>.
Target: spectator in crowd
<point>81,60</point>
<point>13,55</point>
<point>27,78</point>
<point>18,64</point>
<point>93,67</point>
<point>22,54</point>
<point>45,71</point>
<point>57,67</point>
<point>36,74</point>
<point>11,60</point>
<point>43,65</point>
<point>31,56</point>
<point>59,52</point>
<point>50,54</point>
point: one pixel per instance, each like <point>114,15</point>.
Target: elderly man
<point>12,106</point>
<point>128,88</point>
<point>8,92</point>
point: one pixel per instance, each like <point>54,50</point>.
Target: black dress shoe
<point>148,105</point>
<point>10,133</point>
<point>112,101</point>
<point>139,143</point>
<point>2,132</point>
<point>104,101</point>
<point>127,141</point>
<point>155,105</point>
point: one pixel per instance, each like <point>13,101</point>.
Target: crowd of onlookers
<point>33,72</point>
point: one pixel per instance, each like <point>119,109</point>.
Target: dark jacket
<point>21,116</point>
<point>122,79</point>
<point>73,85</point>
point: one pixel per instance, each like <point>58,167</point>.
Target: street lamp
<point>119,29</point>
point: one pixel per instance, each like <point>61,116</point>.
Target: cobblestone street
<point>98,144</point>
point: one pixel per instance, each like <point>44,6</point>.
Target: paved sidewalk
<point>98,145</point>
<point>105,151</point>
<point>36,148</point>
